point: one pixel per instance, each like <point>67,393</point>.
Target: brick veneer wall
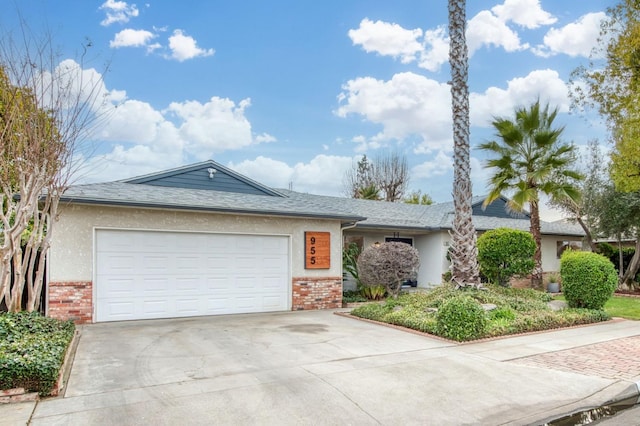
<point>71,300</point>
<point>317,293</point>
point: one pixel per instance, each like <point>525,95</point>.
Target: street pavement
<point>318,368</point>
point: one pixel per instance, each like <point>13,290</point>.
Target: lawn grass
<point>620,306</point>
<point>516,311</point>
<point>624,307</point>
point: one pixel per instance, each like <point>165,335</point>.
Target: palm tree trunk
<point>464,254</point>
<point>536,275</point>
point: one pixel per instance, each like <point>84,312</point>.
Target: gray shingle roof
<point>368,213</point>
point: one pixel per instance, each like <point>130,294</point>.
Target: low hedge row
<point>32,350</point>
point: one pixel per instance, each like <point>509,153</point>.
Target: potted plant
<point>553,283</point>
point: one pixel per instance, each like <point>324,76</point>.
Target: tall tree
<point>387,176</point>
<point>46,108</point>
<point>583,210</point>
<point>527,158</point>
<point>463,252</point>
<point>612,86</point>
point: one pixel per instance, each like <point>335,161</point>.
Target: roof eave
<point>259,212</point>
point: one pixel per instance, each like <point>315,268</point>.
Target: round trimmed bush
<point>461,318</point>
<point>504,252</point>
<point>588,279</point>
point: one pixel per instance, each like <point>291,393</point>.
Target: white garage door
<point>146,274</point>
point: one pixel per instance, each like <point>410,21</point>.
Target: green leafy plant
<point>32,350</point>
<point>588,279</point>
<point>461,318</point>
<point>504,253</point>
<point>350,255</point>
<point>373,292</point>
<point>351,296</point>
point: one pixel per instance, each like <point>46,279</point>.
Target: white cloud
<point>440,165</point>
<point>322,175</point>
<point>132,121</point>
<point>487,29</point>
<point>521,91</point>
<point>132,38</point>
<point>387,39</point>
<point>215,126</point>
<point>436,49</point>
<point>574,39</point>
<point>70,86</point>
<point>408,104</point>
<point>527,13</point>
<point>118,11</point>
<point>265,137</point>
<point>185,47</point>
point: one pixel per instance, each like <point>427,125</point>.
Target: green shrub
<point>461,318</point>
<point>373,292</point>
<point>588,279</point>
<point>353,296</point>
<point>32,350</point>
<point>504,253</point>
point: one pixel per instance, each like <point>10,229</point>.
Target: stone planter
<point>553,288</point>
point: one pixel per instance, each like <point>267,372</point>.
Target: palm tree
<point>463,253</point>
<point>369,192</point>
<point>529,159</point>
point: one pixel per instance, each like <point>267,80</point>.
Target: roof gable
<point>205,175</point>
<point>497,208</point>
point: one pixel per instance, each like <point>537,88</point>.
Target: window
<point>399,240</point>
<point>561,246</point>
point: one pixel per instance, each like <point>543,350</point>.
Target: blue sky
<point>293,93</point>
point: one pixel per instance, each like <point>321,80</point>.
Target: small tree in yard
<point>46,110</point>
<point>388,264</point>
<point>504,253</point>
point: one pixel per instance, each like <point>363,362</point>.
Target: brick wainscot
<point>71,300</point>
<point>316,293</point>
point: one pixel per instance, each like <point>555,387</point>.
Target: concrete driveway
<point>315,368</point>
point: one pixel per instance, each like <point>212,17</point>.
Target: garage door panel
<point>147,274</point>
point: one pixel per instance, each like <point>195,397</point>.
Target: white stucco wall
<point>433,261</point>
<point>71,253</point>
<point>550,261</point>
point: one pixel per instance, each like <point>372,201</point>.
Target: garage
<point>155,274</point>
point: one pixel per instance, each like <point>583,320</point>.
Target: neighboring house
<point>205,240</point>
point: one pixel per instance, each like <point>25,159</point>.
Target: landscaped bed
<point>470,314</point>
<point>32,351</point>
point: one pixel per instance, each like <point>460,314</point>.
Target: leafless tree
<point>387,175</point>
<point>47,108</point>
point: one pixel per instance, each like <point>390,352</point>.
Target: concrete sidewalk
<point>318,368</point>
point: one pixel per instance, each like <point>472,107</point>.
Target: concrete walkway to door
<point>317,368</point>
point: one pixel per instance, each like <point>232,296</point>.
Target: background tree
<point>387,176</point>
<point>527,157</point>
<point>358,177</point>
<point>417,197</point>
<point>46,108</point>
<point>464,253</point>
<point>619,217</point>
<point>612,86</point>
<point>583,210</point>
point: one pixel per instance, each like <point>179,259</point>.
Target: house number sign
<point>317,250</point>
